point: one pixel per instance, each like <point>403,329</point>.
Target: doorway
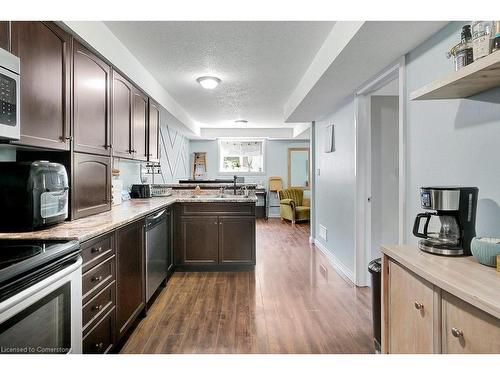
<point>380,174</point>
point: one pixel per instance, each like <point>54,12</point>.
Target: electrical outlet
<point>323,232</point>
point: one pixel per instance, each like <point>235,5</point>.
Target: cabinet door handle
<point>457,332</point>
<point>419,306</point>
<point>216,223</point>
<point>96,250</point>
<point>97,308</point>
<point>99,346</point>
<point>96,278</point>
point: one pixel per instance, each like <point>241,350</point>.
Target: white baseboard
<point>335,262</point>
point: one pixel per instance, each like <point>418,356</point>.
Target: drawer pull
<point>99,346</point>
<point>457,332</point>
<point>419,306</point>
<point>96,278</point>
<point>96,250</point>
<point>97,308</point>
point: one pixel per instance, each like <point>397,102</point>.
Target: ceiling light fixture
<point>208,82</point>
<point>241,122</point>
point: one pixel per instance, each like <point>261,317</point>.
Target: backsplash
<point>174,160</point>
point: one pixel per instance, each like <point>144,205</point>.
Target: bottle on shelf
<point>495,43</point>
<point>481,38</point>
<point>462,52</point>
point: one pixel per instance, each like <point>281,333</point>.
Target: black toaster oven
<point>33,195</point>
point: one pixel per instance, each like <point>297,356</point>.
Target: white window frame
<point>223,173</point>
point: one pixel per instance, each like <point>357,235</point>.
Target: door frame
<point>363,165</point>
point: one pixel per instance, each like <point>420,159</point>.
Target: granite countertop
<point>127,212</point>
<point>463,277</point>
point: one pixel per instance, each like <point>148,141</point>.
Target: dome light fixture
<point>208,83</point>
<point>241,122</point>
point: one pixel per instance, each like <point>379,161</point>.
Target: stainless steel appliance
<point>140,191</point>
<point>449,229</point>
<point>40,297</point>
<point>157,250</point>
<point>9,96</point>
<point>33,195</point>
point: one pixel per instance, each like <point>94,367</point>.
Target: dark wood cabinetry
<point>5,35</point>
<point>91,190</point>
<point>45,53</point>
<point>199,240</point>
<point>122,116</point>
<point>219,235</point>
<point>91,102</point>
<point>130,275</point>
<point>153,132</point>
<point>140,123</point>
<point>237,239</point>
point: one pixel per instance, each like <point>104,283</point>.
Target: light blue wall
<point>336,185</point>
<point>276,163</point>
<point>452,142</point>
<point>448,142</point>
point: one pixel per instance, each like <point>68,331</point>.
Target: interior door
<point>45,53</point>
<point>140,120</point>
<point>91,102</point>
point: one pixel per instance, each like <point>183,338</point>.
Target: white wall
<point>276,163</point>
<point>384,167</point>
<point>336,185</point>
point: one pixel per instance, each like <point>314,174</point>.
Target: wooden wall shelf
<point>480,76</point>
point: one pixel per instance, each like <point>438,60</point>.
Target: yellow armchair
<point>293,205</point>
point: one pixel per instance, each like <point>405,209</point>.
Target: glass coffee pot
<point>440,229</point>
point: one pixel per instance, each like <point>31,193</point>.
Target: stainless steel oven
<point>9,96</point>
<point>40,298</point>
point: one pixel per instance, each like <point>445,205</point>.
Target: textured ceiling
<point>259,63</point>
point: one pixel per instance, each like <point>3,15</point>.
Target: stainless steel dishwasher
<point>157,249</point>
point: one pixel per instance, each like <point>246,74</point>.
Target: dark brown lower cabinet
<point>100,339</point>
<point>200,240</point>
<point>236,240</point>
<point>130,276</point>
<point>91,192</point>
<point>218,235</point>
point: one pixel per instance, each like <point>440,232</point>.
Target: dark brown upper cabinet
<point>140,123</point>
<point>91,190</point>
<point>91,102</point>
<point>122,116</point>
<point>154,132</point>
<point>5,35</point>
<point>45,53</point>
<point>130,277</point>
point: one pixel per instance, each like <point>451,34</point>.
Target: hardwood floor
<point>293,302</point>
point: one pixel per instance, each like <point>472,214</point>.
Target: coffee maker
<point>449,229</point>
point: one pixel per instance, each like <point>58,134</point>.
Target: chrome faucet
<point>221,190</point>
<point>234,183</point>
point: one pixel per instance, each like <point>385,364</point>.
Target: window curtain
<point>241,148</point>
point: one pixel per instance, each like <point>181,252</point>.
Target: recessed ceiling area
<point>259,64</point>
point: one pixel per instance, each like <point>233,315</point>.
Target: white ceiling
<point>259,63</point>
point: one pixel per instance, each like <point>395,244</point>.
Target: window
<point>241,156</point>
